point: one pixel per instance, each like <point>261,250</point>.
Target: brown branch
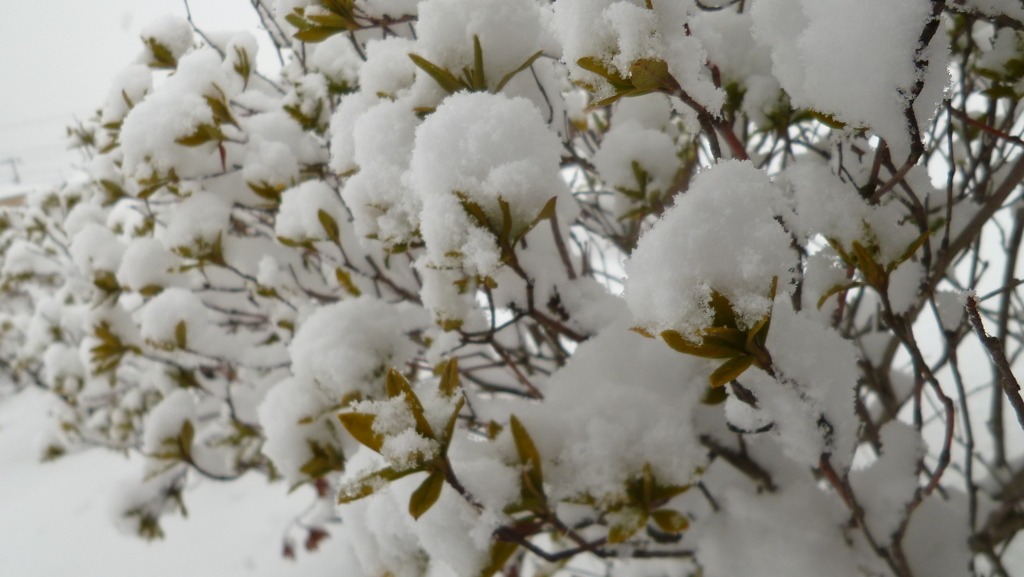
<point>984,127</point>
<point>995,348</point>
<point>741,462</point>
<point>560,243</point>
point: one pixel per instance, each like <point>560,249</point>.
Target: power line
<point>14,167</point>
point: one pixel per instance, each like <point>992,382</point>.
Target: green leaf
<point>297,21</point>
<point>113,189</point>
<point>330,225</point>
<point>342,8</point>
<point>151,290</point>
<point>314,34</point>
<point>204,133</point>
<point>106,282</point>
<point>707,350</point>
<point>162,56</point>
<point>475,212</point>
<point>324,460</point>
<point>181,335</point>
<point>660,494</point>
<point>652,74</point>
<point>724,315</point>
<point>827,120</point>
<point>730,370</point>
<point>396,385</point>
<point>426,495</point>
<point>611,99</point>
<point>500,553</point>
<point>910,250</point>
<point>847,259</point>
<point>548,211</point>
<point>330,21</point>
<point>529,62</point>
<point>446,79</point>
<point>479,80</point>
<point>449,429</point>
<point>185,438</point>
<point>360,426</point>
<point>221,112</point>
<point>369,484</point>
<point>529,456</point>
<point>837,289</point>
<point>670,521</point>
<point>629,521</point>
<point>868,266</point>
<point>734,339</point>
<point>244,65</point>
<point>591,64</point>
<point>450,378</point>
<point>345,281</point>
<point>714,396</point>
<point>506,222</point>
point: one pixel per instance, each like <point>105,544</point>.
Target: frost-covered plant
<point>522,287</point>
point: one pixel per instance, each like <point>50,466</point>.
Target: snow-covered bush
<point>522,287</point>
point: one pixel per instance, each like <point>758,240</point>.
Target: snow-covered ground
<point>55,517</point>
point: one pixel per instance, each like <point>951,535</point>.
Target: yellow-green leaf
<point>730,370</point>
<point>714,396</point>
<point>450,378</point>
<point>506,222</point>
<point>528,454</point>
<point>181,335</point>
<point>627,522</point>
<point>345,281</point>
<point>827,120</point>
<point>910,250</point>
<point>369,484</point>
<point>397,384</point>
<point>660,494</point>
<point>591,64</point>
<point>631,92</point>
<point>478,78</point>
<point>426,495</point>
<point>473,210</point>
<point>670,521</point>
<point>548,211</point>
<point>724,315</point>
<point>449,430</point>
<point>360,426</point>
<point>725,337</point>
<point>330,21</point>
<point>446,79</point>
<point>330,225</point>
<point>500,553</point>
<point>836,289</point>
<point>204,133</point>
<point>643,332</point>
<point>314,34</point>
<point>868,266</point>
<point>652,74</point>
<point>188,433</point>
<point>221,112</point>
<point>701,349</point>
<point>162,56</point>
<point>529,62</point>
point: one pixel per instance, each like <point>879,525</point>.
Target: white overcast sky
<point>56,63</point>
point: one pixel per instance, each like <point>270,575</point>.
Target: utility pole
<point>14,167</point>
